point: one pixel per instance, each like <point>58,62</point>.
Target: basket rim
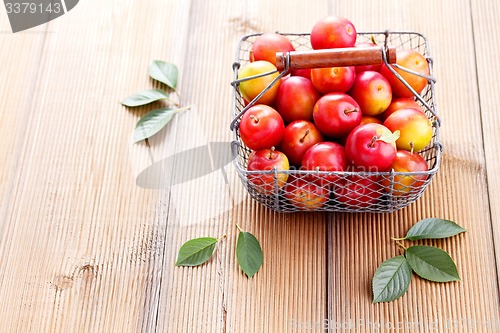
<point>380,32</point>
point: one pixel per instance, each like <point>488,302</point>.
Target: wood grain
<point>16,106</point>
<point>86,246</point>
<point>487,52</point>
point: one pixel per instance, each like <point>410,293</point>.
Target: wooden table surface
<point>83,248</point>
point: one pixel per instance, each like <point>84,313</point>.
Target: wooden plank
<point>20,70</point>
<point>82,240</point>
<point>20,59</point>
<point>359,243</point>
<point>217,296</point>
<point>487,53</point>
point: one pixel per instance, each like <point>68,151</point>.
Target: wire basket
<point>337,191</point>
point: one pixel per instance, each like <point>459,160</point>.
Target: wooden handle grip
<point>341,57</point>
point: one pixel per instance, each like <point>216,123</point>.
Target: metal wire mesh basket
<point>338,191</point>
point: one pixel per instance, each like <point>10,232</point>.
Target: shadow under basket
<point>340,191</point>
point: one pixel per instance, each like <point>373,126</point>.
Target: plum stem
<point>305,135</point>
<point>254,118</point>
<point>412,146</point>
<point>347,111</point>
<point>251,56</point>
<point>271,156</point>
<point>373,141</point>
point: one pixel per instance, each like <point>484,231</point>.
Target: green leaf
<point>389,137</point>
<point>164,72</point>
<point>145,97</point>
<point>196,251</point>
<point>432,263</point>
<point>433,228</point>
<point>153,121</point>
<point>248,253</point>
<point>391,280</point>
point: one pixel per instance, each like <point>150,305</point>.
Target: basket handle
<point>339,57</point>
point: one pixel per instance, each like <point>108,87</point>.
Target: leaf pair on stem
<point>153,121</point>
<point>392,278</point>
<point>198,250</point>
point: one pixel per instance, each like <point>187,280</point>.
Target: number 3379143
<point>32,8</point>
